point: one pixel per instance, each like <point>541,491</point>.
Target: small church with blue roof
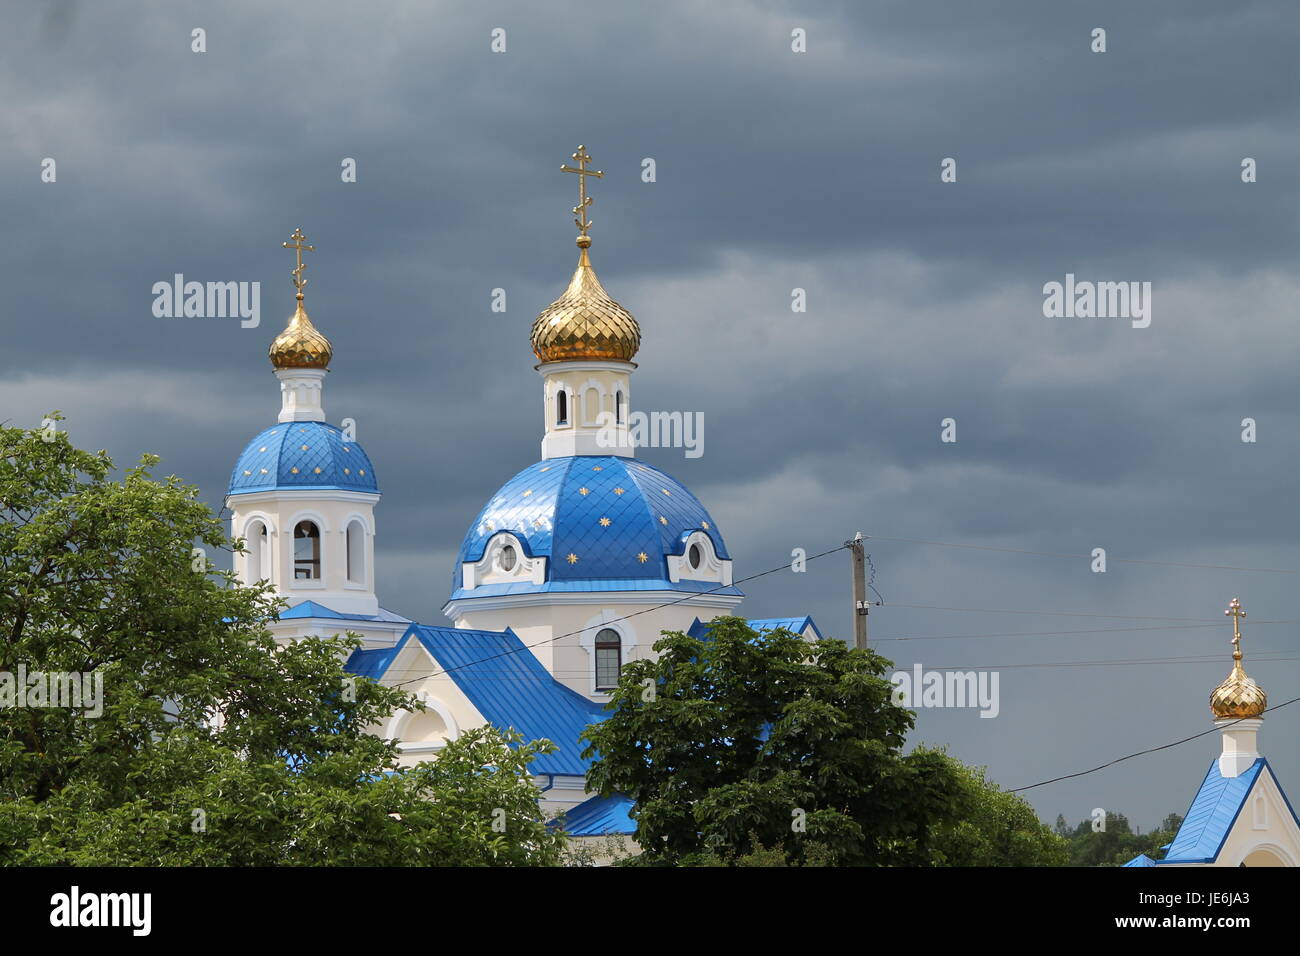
<point>572,568</point>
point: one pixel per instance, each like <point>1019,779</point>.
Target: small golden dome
<point>585,323</point>
<point>1238,696</point>
<point>300,345</point>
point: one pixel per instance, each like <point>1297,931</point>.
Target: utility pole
<point>860,603</point>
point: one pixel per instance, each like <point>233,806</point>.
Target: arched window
<point>618,407</point>
<point>356,546</point>
<point>561,407</point>
<point>609,659</point>
<point>306,551</point>
<point>258,546</point>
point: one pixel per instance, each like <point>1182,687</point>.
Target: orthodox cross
<point>580,210</point>
<point>1235,611</point>
<point>298,245</point>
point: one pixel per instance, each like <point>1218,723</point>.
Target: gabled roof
<point>1141,860</point>
<point>599,816</point>
<point>312,609</point>
<point>1213,812</point>
<point>796,625</point>
<point>508,685</point>
<point>700,630</point>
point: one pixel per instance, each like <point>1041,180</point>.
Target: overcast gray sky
<point>775,170</point>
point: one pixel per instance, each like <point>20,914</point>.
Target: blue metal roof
<point>795,624</point>
<point>373,663</point>
<point>507,684</point>
<point>602,521</point>
<point>304,455</point>
<point>599,816</point>
<point>1212,814</point>
<point>1141,860</point>
<point>313,609</point>
<point>700,630</point>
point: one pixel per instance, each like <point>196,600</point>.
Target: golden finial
<point>298,245</point>
<point>300,345</point>
<point>580,211</point>
<point>1238,696</point>
<point>585,323</point>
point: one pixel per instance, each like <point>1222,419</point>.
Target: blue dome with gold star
<point>310,456</point>
<point>603,523</point>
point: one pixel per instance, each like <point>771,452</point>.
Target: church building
<point>572,568</point>
<point>1239,816</point>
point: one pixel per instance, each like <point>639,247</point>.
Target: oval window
<point>508,558</point>
<point>695,556</point>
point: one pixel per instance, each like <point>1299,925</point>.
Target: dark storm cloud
<point>775,171</point>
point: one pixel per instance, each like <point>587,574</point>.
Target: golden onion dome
<point>585,323</point>
<point>301,345</point>
<point>1238,696</point>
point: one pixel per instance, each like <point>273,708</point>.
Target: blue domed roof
<point>603,522</point>
<point>305,455</point>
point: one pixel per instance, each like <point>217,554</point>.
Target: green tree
<point>748,742</point>
<point>214,744</point>
<point>996,829</point>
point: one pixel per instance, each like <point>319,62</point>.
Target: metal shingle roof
<point>603,510</point>
<point>305,455</point>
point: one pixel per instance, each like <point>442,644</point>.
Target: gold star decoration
<point>317,470</point>
<point>547,468</point>
<point>604,522</point>
<point>294,470</point>
<point>663,520</point>
<point>490,526</point>
<point>362,472</point>
<point>264,471</point>
<point>572,558</point>
<point>704,525</point>
<point>619,491</point>
<point>263,448</point>
<point>528,492</point>
<point>597,468</point>
<point>666,491</point>
<point>584,491</point>
<point>247,472</point>
<point>304,447</point>
<point>643,557</point>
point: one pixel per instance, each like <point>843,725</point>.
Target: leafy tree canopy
<point>215,745</point>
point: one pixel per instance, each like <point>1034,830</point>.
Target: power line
<point>1141,753</point>
<point>1059,554</point>
<point>657,607</point>
<point>1098,630</point>
<point>1004,610</point>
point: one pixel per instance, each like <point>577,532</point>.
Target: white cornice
<point>453,609</point>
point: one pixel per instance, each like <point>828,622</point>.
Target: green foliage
<point>750,742</point>
<point>215,745</point>
<point>997,829</point>
<point>1117,843</point>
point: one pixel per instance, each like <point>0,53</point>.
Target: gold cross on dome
<point>582,157</point>
<point>298,245</point>
<point>1235,611</point>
